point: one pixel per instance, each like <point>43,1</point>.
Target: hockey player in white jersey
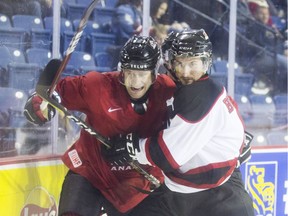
<point>199,151</point>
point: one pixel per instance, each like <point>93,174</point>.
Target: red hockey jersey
<point>108,108</point>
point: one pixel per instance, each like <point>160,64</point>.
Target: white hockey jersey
<point>200,148</point>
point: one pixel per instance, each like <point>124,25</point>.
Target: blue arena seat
<point>17,55</point>
<point>100,42</point>
<point>91,26</point>
<point>41,38</point>
<point>5,56</point>
<point>220,78</point>
<point>67,32</point>
<point>220,66</point>
<point>11,106</point>
<point>5,21</point>
<point>75,11</point>
<point>280,101</point>
<point>9,55</point>
<point>281,107</point>
<point>5,59</point>
<point>103,61</point>
<point>110,3</point>
<point>38,56</point>
<point>38,36</point>
<point>85,2</point>
<point>65,24</point>
<point>66,39</point>
<point>14,37</point>
<point>243,83</point>
<point>82,62</point>
<point>23,76</point>
<point>70,71</point>
<point>27,21</point>
<point>69,1</point>
<point>12,98</point>
<point>103,15</point>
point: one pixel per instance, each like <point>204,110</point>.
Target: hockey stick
<point>50,77</point>
<point>73,44</point>
<point>42,91</point>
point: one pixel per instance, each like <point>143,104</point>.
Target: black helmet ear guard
<point>140,53</point>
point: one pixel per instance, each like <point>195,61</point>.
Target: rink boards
<point>266,179</point>
<point>33,187</point>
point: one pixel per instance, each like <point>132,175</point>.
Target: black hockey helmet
<point>140,53</point>
<point>191,43</point>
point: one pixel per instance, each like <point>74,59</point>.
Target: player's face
<point>137,82</point>
<point>189,69</point>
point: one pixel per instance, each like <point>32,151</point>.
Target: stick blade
<point>47,76</point>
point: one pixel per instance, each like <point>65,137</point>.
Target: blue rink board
<point>266,179</point>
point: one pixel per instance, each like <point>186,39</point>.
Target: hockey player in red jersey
<point>114,103</point>
<point>199,151</point>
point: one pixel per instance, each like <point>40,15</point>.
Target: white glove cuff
<point>141,156</point>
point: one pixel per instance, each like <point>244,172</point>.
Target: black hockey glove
<point>246,151</point>
<point>123,149</point>
<point>38,111</point>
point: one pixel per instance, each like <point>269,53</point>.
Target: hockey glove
<point>123,149</point>
<point>246,151</point>
<point>38,111</point>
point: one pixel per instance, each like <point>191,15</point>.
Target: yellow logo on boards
<point>262,189</point>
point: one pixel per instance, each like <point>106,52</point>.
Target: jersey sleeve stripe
<point>160,154</point>
<point>204,179</point>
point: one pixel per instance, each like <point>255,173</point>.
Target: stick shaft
<point>73,44</point>
<point>42,92</point>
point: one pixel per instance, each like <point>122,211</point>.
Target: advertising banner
<point>266,180</point>
<point>31,189</point>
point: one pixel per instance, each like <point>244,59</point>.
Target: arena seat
<point>100,42</point>
<point>38,36</point>
<point>38,56</point>
<point>5,21</point>
<point>23,76</point>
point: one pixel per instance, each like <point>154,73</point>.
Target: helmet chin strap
<point>140,105</point>
<point>140,108</point>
